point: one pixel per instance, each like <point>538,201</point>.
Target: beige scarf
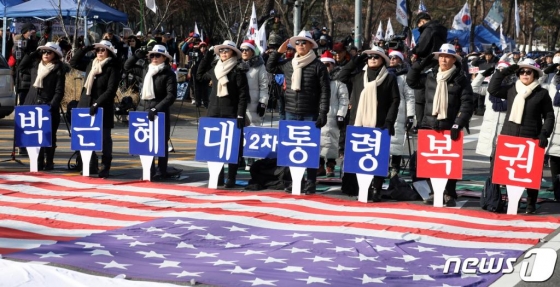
<point>439,106</point>
<point>221,70</point>
<point>148,92</point>
<point>42,72</point>
<point>298,63</point>
<point>96,69</point>
<point>366,115</point>
<point>516,114</point>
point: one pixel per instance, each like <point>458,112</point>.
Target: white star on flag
<point>113,264</point>
<point>230,245</point>
<point>420,277</point>
<point>51,254</point>
<point>407,258</point>
<point>276,243</point>
<point>363,257</point>
<point>124,237</point>
<point>491,253</point>
<point>132,244</point>
<point>292,269</point>
<point>382,248</point>
<point>259,281</point>
<point>152,229</point>
<point>319,259</point>
<point>185,245</point>
<point>446,257</point>
<point>194,227</point>
<point>366,279</point>
<point>90,245</point>
<point>434,267</point>
<point>295,235</point>
<point>186,273</point>
<point>239,270</point>
<point>252,252</point>
<point>312,279</point>
<point>465,275</point>
<point>423,249</point>
<point>342,249</point>
<point>222,262</point>
<point>100,252</point>
<point>252,237</point>
<point>235,228</point>
<point>152,254</point>
<point>179,221</point>
<point>165,235</point>
<point>446,285</point>
<point>203,254</point>
<point>209,236</point>
<point>358,239</point>
<point>317,241</point>
<point>343,268</point>
<point>273,260</point>
<point>390,269</point>
<point>297,250</point>
<point>168,263</point>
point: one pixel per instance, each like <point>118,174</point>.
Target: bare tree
<point>80,8</point>
<point>330,20</point>
<point>232,17</point>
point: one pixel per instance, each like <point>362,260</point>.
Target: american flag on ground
<point>177,233</point>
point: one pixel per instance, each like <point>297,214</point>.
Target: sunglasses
<point>374,56</point>
<point>157,56</point>
<point>301,42</point>
<point>46,52</point>
<point>394,58</point>
<point>245,50</point>
<point>527,72</point>
<point>100,50</point>
<point>224,50</point>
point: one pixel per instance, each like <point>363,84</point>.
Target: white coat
<point>330,134</point>
<point>257,78</point>
<point>492,121</point>
<point>553,148</point>
<point>406,109</point>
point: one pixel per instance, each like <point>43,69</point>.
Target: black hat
<point>423,16</point>
<point>27,27</point>
<point>110,31</point>
<point>488,51</point>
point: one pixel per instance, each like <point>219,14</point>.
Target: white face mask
<point>556,60</point>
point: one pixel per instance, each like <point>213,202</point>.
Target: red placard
<point>518,161</point>
<point>438,155</point>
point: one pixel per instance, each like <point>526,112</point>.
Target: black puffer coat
<point>232,105</point>
<point>432,35</point>
<point>459,100</point>
<point>165,85</point>
<point>23,73</point>
<point>315,94</point>
<point>53,84</point>
<point>538,106</point>
<point>104,87</point>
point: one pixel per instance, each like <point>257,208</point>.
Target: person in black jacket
<point>159,90</point>
<point>528,105</point>
<point>454,109</point>
<point>230,92</point>
<point>374,85</point>
<point>47,77</point>
<point>99,91</point>
<point>308,89</point>
<point>432,35</point>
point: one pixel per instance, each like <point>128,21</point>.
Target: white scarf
<point>439,106</point>
<point>96,69</point>
<point>366,115</point>
<point>298,63</point>
<point>221,70</point>
<point>42,72</point>
<point>516,114</point>
<point>148,92</point>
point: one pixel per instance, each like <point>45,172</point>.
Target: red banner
<point>518,161</point>
<point>438,155</point>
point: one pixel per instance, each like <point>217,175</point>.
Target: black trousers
<point>49,151</point>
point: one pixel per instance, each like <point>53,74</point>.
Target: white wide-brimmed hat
<point>229,45</point>
<point>160,49</point>
<point>52,46</point>
<point>531,64</point>
<point>107,45</point>
<point>449,50</point>
<point>303,35</point>
<point>378,51</point>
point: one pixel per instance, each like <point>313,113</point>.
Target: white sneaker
<point>193,102</point>
<point>248,168</point>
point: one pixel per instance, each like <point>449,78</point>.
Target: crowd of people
<point>309,77</point>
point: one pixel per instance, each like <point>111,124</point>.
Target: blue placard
<point>218,140</point>
<point>33,126</point>
<point>260,142</point>
<point>299,143</point>
<point>367,151</point>
<point>146,137</point>
<point>87,131</point>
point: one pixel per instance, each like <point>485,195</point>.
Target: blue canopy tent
<point>482,36</point>
<point>3,6</point>
<point>45,9</point>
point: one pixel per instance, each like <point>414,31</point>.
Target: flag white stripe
<point>23,243</point>
<point>301,202</point>
<point>232,206</point>
<point>46,230</point>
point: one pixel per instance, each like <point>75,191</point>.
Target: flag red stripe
<point>6,232</point>
<point>54,223</point>
<point>5,251</point>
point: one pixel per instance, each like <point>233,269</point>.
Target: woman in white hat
<point>99,91</point>
<point>230,91</point>
<point>159,91</point>
<point>48,74</point>
<point>528,105</point>
<point>374,86</point>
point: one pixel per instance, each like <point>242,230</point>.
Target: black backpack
<point>72,104</point>
<point>401,190</point>
<point>491,197</point>
<point>125,105</point>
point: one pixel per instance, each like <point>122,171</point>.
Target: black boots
<point>106,161</point>
<point>531,201</point>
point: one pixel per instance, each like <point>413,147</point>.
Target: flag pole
<point>141,16</point>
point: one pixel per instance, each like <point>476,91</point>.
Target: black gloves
<point>340,122</point>
<point>240,122</point>
<point>54,107</point>
<point>455,132</point>
<point>321,121</point>
<point>426,62</point>
<point>488,72</point>
<point>261,108</point>
<point>409,123</point>
<point>551,69</point>
<point>543,140</point>
<point>93,109</point>
<point>390,126</point>
<point>89,48</point>
<point>510,70</point>
<point>361,58</point>
<point>152,113</point>
<point>140,53</point>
